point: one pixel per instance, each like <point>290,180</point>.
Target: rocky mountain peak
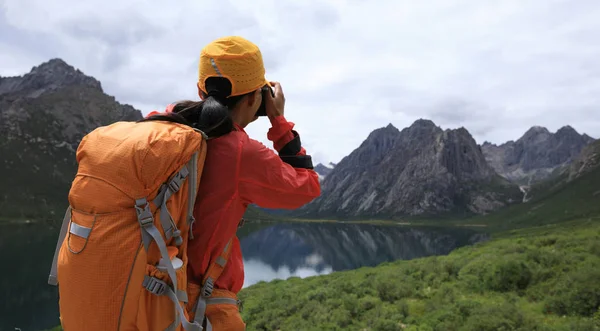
<point>537,154</point>
<point>384,131</point>
<point>567,132</point>
<point>423,123</point>
<point>324,170</point>
<point>48,76</point>
<point>43,116</point>
<point>420,170</point>
<point>588,139</point>
<point>377,145</point>
<point>588,160</point>
<point>535,134</point>
<point>421,128</point>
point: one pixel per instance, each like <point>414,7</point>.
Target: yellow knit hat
<point>236,59</point>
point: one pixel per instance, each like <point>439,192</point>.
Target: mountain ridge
<point>537,155</point>
<point>419,170</point>
<point>44,114</point>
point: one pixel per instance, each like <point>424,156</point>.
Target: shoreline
<point>438,223</point>
<point>5,220</point>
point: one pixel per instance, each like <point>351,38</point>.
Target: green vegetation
<point>541,271</point>
<point>579,198</point>
<point>536,279</point>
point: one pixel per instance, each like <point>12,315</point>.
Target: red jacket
<point>239,171</point>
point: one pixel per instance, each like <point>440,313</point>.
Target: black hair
<point>211,115</point>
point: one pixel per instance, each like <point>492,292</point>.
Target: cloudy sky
<point>346,67</point>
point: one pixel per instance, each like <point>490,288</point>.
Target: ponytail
<point>211,115</point>
<point>215,118</point>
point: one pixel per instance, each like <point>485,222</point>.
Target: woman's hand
<point>275,105</point>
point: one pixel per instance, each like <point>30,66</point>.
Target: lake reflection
<point>308,249</point>
<point>271,250</point>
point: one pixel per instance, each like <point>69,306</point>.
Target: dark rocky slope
<point>43,116</point>
<point>419,171</point>
<point>536,156</point>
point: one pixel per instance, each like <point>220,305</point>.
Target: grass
<point>577,199</point>
<point>535,279</point>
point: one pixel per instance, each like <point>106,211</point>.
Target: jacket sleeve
<point>284,181</point>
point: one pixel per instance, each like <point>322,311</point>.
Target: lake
<point>271,250</point>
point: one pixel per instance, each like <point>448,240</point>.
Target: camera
<point>262,110</point>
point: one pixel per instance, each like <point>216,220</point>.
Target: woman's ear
<point>254,99</point>
<point>250,99</point>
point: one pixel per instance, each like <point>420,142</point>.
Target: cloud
<point>256,271</point>
<point>347,67</point>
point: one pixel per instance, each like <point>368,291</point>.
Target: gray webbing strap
<point>221,261</point>
<point>219,301</point>
<point>154,285</point>
<point>146,221</point>
<point>192,190</point>
<point>158,287</point>
<point>80,230</point>
<point>165,193</point>
<point>52,278</point>
<point>200,315</point>
<point>166,220</point>
<point>206,291</point>
<point>182,295</point>
<point>201,304</point>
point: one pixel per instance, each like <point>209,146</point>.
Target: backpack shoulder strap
<point>208,282</point>
<point>215,269</point>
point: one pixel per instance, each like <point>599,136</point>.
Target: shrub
<point>493,318</point>
<point>508,273</point>
<point>386,325</point>
<point>578,294</point>
<point>390,289</point>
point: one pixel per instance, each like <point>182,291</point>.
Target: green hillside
<point>541,275</point>
<point>553,201</point>
<point>542,279</point>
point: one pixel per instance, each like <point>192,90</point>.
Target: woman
<point>238,171</point>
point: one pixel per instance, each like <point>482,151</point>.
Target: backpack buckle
<point>174,185</point>
<point>144,215</point>
<point>208,287</point>
<point>155,285</point>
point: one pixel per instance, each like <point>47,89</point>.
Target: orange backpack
<point>121,257</point>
